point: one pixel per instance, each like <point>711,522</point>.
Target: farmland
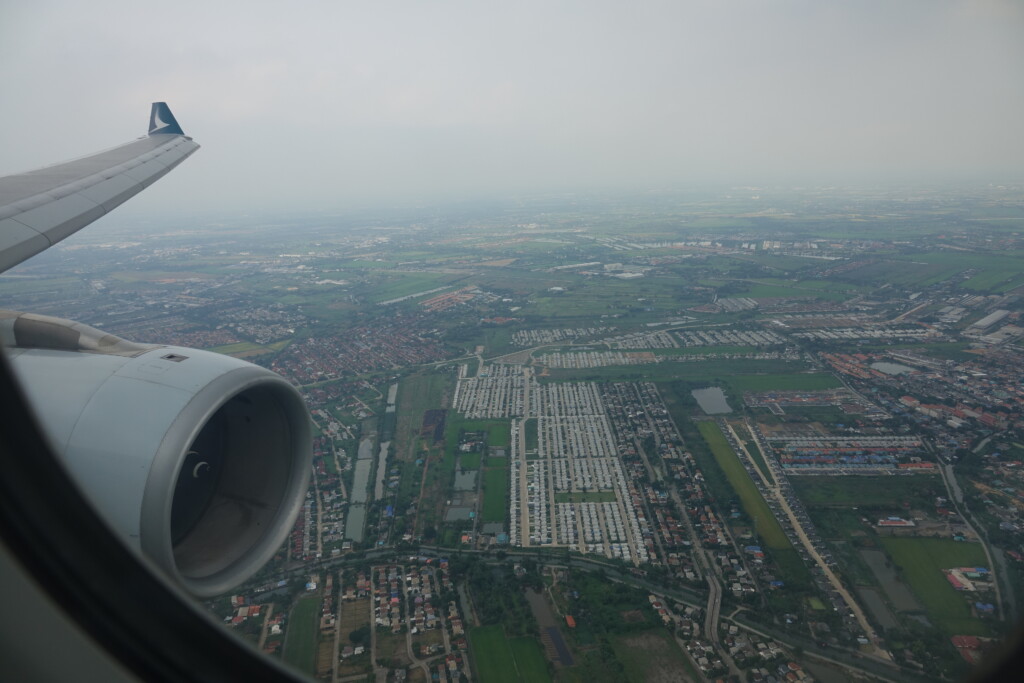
<point>921,561</point>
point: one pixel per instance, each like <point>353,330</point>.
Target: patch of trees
<point>361,636</point>
<point>498,596</point>
<point>605,606</point>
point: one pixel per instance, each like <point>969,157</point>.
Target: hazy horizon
<point>323,105</point>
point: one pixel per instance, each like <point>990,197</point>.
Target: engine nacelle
<point>199,460</point>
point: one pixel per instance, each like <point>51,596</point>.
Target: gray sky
<point>322,104</point>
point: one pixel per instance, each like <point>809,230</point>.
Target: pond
<point>711,400</point>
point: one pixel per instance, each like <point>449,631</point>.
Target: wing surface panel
<point>42,207</point>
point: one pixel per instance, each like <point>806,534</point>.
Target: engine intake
<point>199,460</point>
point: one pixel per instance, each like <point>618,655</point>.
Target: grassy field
<point>755,453</point>
<point>651,656</point>
<point>995,273</point>
<point>417,393</point>
<point>492,655</point>
<point>798,382</point>
<point>12,287</point>
<point>300,642</point>
<point>889,492</point>
<point>921,561</point>
<point>498,431</point>
<point>761,291</point>
<point>750,497</point>
<point>499,434</point>
<point>495,495</point>
<point>530,660</point>
<point>409,284</point>
<point>904,273</point>
<point>239,347</point>
<point>530,434</point>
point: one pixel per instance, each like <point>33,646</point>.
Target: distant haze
<point>329,104</point>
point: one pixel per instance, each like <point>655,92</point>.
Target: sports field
<point>495,495</point>
<point>530,660</point>
<point>492,655</point>
<point>300,640</point>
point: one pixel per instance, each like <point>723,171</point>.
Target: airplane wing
<point>42,207</point>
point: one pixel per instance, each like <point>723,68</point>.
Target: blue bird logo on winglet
<point>162,121</point>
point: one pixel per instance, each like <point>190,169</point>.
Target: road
<point>780,496</point>
<point>957,496</point>
<point>268,610</point>
<point>337,628</point>
<point>713,608</point>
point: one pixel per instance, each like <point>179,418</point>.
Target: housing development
<point>747,435</point>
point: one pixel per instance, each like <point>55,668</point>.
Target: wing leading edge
<point>42,207</point>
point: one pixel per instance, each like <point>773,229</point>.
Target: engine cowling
<point>199,460</point>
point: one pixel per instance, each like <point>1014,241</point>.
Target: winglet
<point>162,121</point>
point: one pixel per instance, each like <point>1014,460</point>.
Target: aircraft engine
<point>199,460</point>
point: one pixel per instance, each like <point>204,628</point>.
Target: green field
<point>651,656</point>
<point>921,561</point>
<point>408,285</point>
<point>301,640</point>
<point>750,497</point>
<point>759,461</point>
<point>417,393</point>
<point>240,347</point>
<point>530,434</point>
<point>796,382</point>
<point>998,280</point>
<point>495,495</point>
<point>499,433</point>
<point>492,655</point>
<point>995,272</point>
<point>885,492</point>
<point>530,660</point>
<point>760,291</point>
